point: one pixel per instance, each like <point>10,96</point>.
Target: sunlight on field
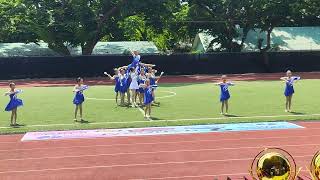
<point>48,108</point>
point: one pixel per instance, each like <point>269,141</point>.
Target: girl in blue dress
<point>148,98</point>
<point>122,86</point>
<point>14,103</point>
<point>116,79</point>
<point>154,81</point>
<point>289,90</point>
<point>79,97</point>
<point>141,80</point>
<point>224,95</point>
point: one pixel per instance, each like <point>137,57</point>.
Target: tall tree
<point>64,23</point>
<point>271,14</point>
<point>222,19</point>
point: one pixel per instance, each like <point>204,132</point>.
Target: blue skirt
<point>224,96</point>
<point>117,88</point>
<point>123,88</point>
<point>14,103</point>
<point>148,99</point>
<point>78,99</point>
<point>289,91</point>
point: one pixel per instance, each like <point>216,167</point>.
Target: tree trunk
<point>88,47</point>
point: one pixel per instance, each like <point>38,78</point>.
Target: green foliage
<point>171,24</point>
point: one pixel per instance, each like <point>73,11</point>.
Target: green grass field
<point>51,108</point>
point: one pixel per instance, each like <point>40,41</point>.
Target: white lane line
<point>171,120</point>
<point>113,154</point>
<point>136,165</point>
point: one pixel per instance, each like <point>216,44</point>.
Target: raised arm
<point>296,78</point>
<point>147,65</point>
<point>15,92</point>
<point>75,89</point>
<point>284,78</point>
<point>231,84</point>
<point>159,77</point>
<point>8,93</point>
<point>110,77</point>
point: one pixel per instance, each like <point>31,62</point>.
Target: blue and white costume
<point>141,80</point>
<point>153,83</point>
<point>148,98</point>
<point>135,61</point>
<point>79,97</point>
<point>123,83</point>
<point>117,84</point>
<point>225,95</point>
<point>14,101</point>
<point>289,90</point>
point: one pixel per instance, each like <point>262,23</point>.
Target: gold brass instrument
<point>274,164</point>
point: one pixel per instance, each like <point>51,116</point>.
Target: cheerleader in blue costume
<point>225,95</point>
<point>122,86</point>
<point>154,81</point>
<point>79,97</point>
<point>135,59</point>
<point>141,80</point>
<point>128,82</point>
<point>289,90</point>
<point>148,98</point>
<point>14,103</point>
<point>116,79</point>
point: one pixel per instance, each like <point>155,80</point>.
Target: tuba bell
<point>273,164</point>
<point>315,166</point>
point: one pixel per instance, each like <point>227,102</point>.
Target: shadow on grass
<point>231,115</point>
<point>18,126</point>
<point>297,113</point>
<point>84,122</point>
<point>156,119</point>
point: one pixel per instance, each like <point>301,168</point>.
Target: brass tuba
<point>315,166</point>
<point>273,164</point>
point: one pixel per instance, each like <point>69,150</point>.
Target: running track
<point>192,156</point>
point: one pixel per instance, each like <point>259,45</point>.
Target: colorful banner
<point>105,133</point>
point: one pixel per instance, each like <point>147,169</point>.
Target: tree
<point>271,14</point>
<point>13,20</point>
<point>166,33</point>
<point>222,19</point>
<point>64,23</point>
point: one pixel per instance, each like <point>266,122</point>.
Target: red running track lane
<point>164,79</point>
<point>191,156</point>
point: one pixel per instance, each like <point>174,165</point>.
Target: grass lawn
<point>51,108</point>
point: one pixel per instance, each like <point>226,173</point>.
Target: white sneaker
<point>286,110</point>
